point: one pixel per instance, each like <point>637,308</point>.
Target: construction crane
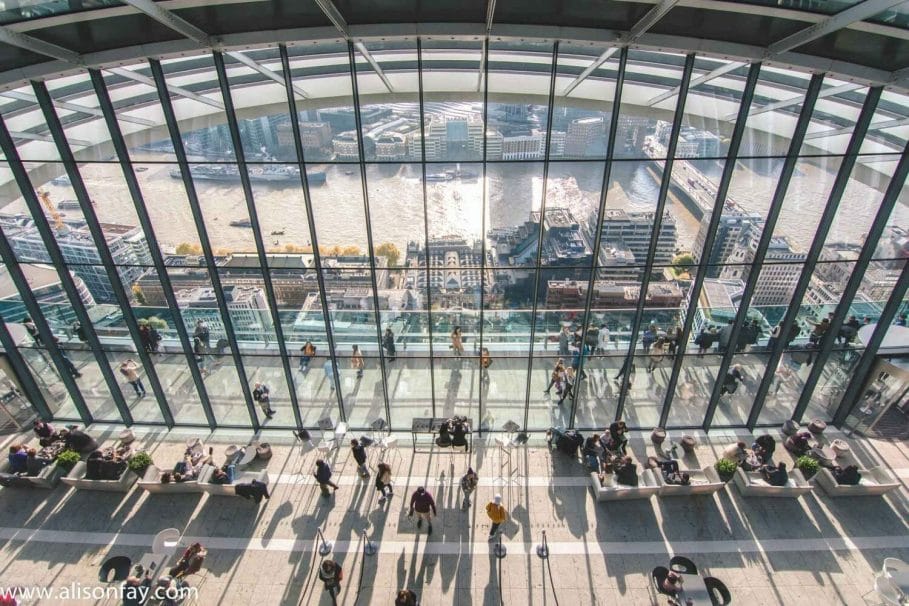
<point>51,209</point>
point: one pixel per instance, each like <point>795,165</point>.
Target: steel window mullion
<point>536,270</point>
<point>23,374</point>
<point>776,206</point>
<point>240,157</point>
<point>59,263</point>
<point>97,233</point>
<point>484,76</point>
<point>657,226</point>
<point>869,356</point>
<point>310,219</point>
<point>598,236</point>
<point>132,184</point>
<point>371,252</point>
<point>861,264</point>
<point>193,199</point>
<point>694,294</point>
<point>811,259</point>
<point>432,379</point>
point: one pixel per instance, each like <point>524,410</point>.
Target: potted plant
<point>139,462</point>
<point>725,468</point>
<point>68,459</point>
<point>808,466</point>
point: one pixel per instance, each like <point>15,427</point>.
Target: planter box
<point>752,484</point>
<point>76,478</point>
<point>875,481</point>
<point>646,488</point>
<point>48,478</point>
<point>151,483</point>
<point>705,481</point>
<point>228,490</point>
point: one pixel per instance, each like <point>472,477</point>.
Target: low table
<point>900,578</point>
<point>824,455</point>
<point>154,564</point>
<point>694,589</point>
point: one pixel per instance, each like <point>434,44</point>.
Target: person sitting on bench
<point>775,476</point>
<point>626,472</point>
<point>847,476</point>
<point>459,434</point>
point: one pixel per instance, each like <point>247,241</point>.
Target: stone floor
<point>767,551</point>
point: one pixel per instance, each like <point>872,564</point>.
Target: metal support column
<point>598,236</point>
<point>483,80</point>
<point>307,201</point>
<point>694,294</point>
<point>776,206</point>
<point>240,156</point>
<point>94,227</point>
<point>59,263</point>
<point>180,152</point>
<point>657,226</point>
<point>132,184</point>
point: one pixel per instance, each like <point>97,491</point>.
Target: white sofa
<point>703,481</point>
<point>229,490</point>
<point>646,488</point>
<point>752,484</point>
<point>48,477</point>
<point>76,478</point>
<point>151,483</point>
<point>875,481</point>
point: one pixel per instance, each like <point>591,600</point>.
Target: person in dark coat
<point>323,477</point>
<point>626,472</point>
<point>359,455</point>
<point>424,505</point>
<point>847,476</point>
<point>331,575</point>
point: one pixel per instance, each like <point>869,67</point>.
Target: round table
<point>825,455</point>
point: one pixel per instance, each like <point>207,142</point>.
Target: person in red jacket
<point>424,505</point>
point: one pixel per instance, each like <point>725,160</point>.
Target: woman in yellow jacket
<point>497,515</point>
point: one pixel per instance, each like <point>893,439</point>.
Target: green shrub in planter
<point>808,466</point>
<point>725,468</point>
<point>139,462</point>
<point>68,459</point>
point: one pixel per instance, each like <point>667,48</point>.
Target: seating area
<point>77,478</point>
<point>874,482</point>
<point>753,484</point>
<point>610,490</point>
<point>702,482</point>
<point>228,489</point>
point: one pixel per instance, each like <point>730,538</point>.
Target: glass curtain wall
<point>436,226</point>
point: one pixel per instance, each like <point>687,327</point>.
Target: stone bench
<point>151,483</point>
<point>646,488</point>
<point>76,478</point>
<point>704,481</point>
<point>875,481</point>
<point>752,484</point>
<point>229,490</point>
<point>47,478</point>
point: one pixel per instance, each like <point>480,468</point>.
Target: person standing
<point>67,362</point>
<point>568,389</point>
<point>457,342</point>
<point>405,597</point>
<point>383,482</point>
<point>901,320</point>
<point>648,338</point>
<point>130,370</point>
<point>603,339</point>
<point>655,358</point>
<point>32,330</point>
<point>261,395</point>
<point>323,477</point>
<point>329,370</point>
<point>203,334</point>
<point>497,515</point>
<point>485,363</point>
<point>564,338</point>
<point>726,336</point>
<point>468,486</point>
<point>359,455</point>
<point>356,361</point>
<point>388,342</point>
<point>424,505</point>
<point>199,351</point>
<point>306,355</point>
<point>731,382</point>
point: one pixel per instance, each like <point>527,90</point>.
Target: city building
<point>632,231</point>
<point>247,307</point>
<point>127,246</point>
<point>778,275</point>
<point>735,225</point>
<point>585,137</point>
<point>48,291</point>
<point>609,294</point>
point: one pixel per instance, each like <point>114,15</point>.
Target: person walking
<point>485,363</point>
<point>469,483</point>
<point>306,355</point>
<point>648,338</point>
<point>603,339</point>
<point>424,505</point>
<point>359,455</point>
<point>388,342</point>
<point>655,357</point>
<point>457,342</point>
<point>497,515</point>
<point>383,482</point>
<point>564,339</point>
<point>331,575</point>
<point>261,395</point>
<point>731,382</point>
<point>79,331</point>
<point>199,351</point>
<point>67,362</point>
<point>329,370</point>
<point>356,361</point>
<point>556,375</point>
<point>130,370</point>
<point>568,388</point>
<point>405,597</point>
<point>323,477</point>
